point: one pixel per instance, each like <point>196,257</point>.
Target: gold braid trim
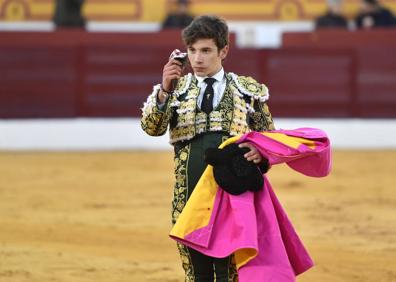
<point>250,87</point>
<point>182,85</point>
<point>155,121</point>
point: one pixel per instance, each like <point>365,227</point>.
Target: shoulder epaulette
<point>250,87</point>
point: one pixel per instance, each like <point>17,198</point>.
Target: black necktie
<point>207,100</point>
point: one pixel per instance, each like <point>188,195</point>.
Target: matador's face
<point>205,58</point>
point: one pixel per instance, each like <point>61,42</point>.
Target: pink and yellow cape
<point>253,226</point>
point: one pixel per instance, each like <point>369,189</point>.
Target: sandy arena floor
<point>79,217</point>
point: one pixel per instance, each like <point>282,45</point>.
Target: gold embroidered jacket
<point>241,109</point>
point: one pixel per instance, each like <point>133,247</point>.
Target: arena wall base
<point>125,134</point>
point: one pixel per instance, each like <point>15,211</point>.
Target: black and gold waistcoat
<point>241,109</point>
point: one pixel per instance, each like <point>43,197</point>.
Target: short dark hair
<point>371,2</point>
<point>206,27</point>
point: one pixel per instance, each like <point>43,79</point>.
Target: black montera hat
<point>233,172</point>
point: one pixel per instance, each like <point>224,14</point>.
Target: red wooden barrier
<point>311,82</point>
<point>340,38</point>
<point>75,74</point>
<point>374,91</point>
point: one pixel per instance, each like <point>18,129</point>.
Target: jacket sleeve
<point>256,94</point>
<point>261,118</point>
<point>155,119</point>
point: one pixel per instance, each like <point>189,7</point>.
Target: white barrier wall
<point>126,134</point>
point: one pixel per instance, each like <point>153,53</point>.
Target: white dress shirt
<point>218,86</point>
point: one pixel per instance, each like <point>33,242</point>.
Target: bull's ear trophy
<point>181,57</point>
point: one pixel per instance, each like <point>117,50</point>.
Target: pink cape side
<point>257,221</point>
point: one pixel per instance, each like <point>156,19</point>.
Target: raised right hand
<point>172,70</point>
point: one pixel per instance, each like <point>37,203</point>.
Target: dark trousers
<point>207,268</point>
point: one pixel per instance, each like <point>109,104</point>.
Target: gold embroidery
<point>155,121</point>
<point>180,189</point>
<point>179,201</point>
<point>186,263</point>
<point>250,87</point>
<point>261,119</point>
<point>232,271</point>
<point>233,115</point>
<point>183,156</point>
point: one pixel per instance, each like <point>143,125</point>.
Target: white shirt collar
<point>218,76</point>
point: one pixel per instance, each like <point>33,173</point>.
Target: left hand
<point>253,155</point>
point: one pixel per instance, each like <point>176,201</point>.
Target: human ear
<point>224,52</point>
